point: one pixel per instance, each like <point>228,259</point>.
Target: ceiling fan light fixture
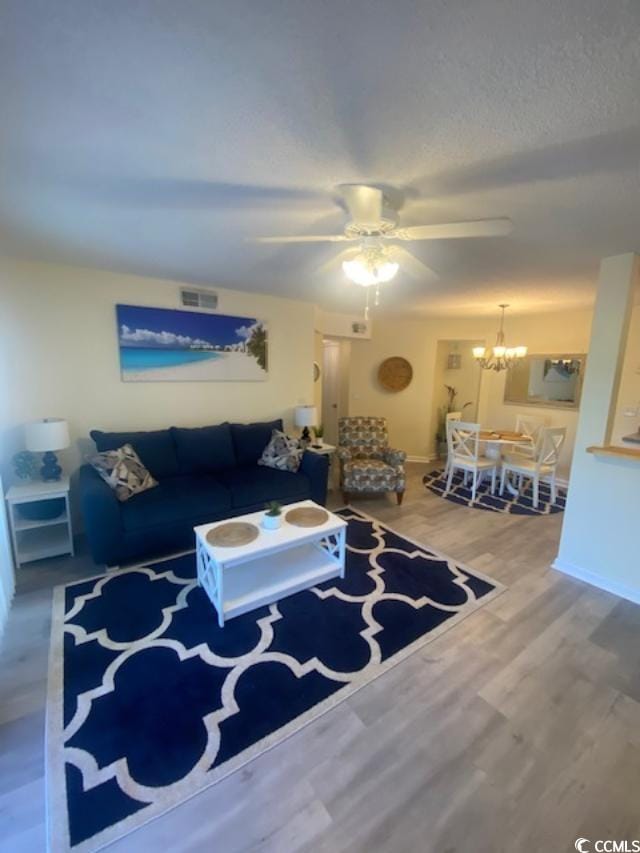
<point>370,267</point>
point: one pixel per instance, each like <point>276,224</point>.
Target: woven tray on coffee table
<point>233,534</point>
<point>307,516</point>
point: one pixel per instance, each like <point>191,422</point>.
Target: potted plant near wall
<point>318,431</point>
<point>441,432</point>
<point>273,516</point>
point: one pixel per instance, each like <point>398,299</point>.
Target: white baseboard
<point>622,590</point>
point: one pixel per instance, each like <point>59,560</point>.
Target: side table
<point>35,539</point>
<point>325,450</point>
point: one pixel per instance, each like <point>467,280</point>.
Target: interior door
<point>330,390</point>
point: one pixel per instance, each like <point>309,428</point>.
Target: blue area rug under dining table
<point>518,504</point>
<point>150,701</point>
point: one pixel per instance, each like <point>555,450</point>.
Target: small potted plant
<point>273,516</point>
<point>319,434</point>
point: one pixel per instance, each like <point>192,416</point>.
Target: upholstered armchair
<point>367,463</point>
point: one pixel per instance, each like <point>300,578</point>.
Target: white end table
<point>276,564</point>
<point>325,450</point>
<point>39,538</point>
<point>322,449</point>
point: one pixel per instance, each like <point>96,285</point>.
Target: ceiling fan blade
<point>453,230</point>
<point>335,261</point>
<point>410,264</point>
<point>363,203</point>
<point>309,238</point>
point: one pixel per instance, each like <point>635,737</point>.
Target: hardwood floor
<point>517,730</point>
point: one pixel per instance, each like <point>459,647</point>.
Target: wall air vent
<point>199,299</point>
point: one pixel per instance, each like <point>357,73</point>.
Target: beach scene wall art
<point>166,345</point>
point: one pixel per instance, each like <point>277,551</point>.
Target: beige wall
<point>317,385</point>
<point>410,413</point>
<point>59,357</point>
<point>599,541</point>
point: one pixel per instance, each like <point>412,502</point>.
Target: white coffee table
<point>276,564</point>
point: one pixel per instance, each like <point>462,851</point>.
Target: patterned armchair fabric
<point>367,462</point>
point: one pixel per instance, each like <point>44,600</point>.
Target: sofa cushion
<point>155,449</point>
<point>178,499</point>
<point>204,449</point>
<point>250,440</point>
<point>255,486</point>
<point>282,452</point>
<point>123,472</point>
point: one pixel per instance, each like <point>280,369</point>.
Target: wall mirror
<point>546,380</point>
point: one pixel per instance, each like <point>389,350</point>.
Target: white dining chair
<point>463,442</point>
<point>542,467</point>
<point>531,426</point>
<point>450,416</point>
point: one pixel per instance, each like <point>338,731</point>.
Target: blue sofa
<point>204,474</point>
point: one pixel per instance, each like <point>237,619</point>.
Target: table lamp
<point>305,416</point>
<point>44,437</point>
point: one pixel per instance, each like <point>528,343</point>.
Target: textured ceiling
<point>153,136</point>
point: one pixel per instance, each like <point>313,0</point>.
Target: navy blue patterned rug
<point>150,701</point>
<point>521,504</point>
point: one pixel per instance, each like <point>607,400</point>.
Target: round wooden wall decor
<point>395,373</point>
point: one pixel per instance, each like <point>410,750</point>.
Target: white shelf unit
<point>267,579</point>
<point>36,539</point>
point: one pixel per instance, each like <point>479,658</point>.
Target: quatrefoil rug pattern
<point>150,701</point>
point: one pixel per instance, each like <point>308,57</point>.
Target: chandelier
<point>502,357</point>
<point>371,267</point>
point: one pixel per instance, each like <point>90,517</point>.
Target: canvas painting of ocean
<point>166,345</point>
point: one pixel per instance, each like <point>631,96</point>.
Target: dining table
<point>499,440</point>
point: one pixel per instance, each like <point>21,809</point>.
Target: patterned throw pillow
<point>282,452</point>
<point>124,472</point>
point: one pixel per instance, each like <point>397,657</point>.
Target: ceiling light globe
<point>387,271</point>
<point>360,272</point>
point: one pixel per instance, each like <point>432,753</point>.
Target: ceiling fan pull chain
<point>377,299</point>
<point>366,304</point>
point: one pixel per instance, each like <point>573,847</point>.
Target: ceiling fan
<point>373,224</point>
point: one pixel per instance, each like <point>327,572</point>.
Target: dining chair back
<point>542,465</point>
<point>450,416</point>
<point>531,426</point>
<point>549,447</point>
<point>463,441</point>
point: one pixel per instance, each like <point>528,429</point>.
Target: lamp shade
<point>49,434</point>
<point>306,416</point>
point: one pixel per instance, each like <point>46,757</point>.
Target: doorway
<point>336,360</point>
